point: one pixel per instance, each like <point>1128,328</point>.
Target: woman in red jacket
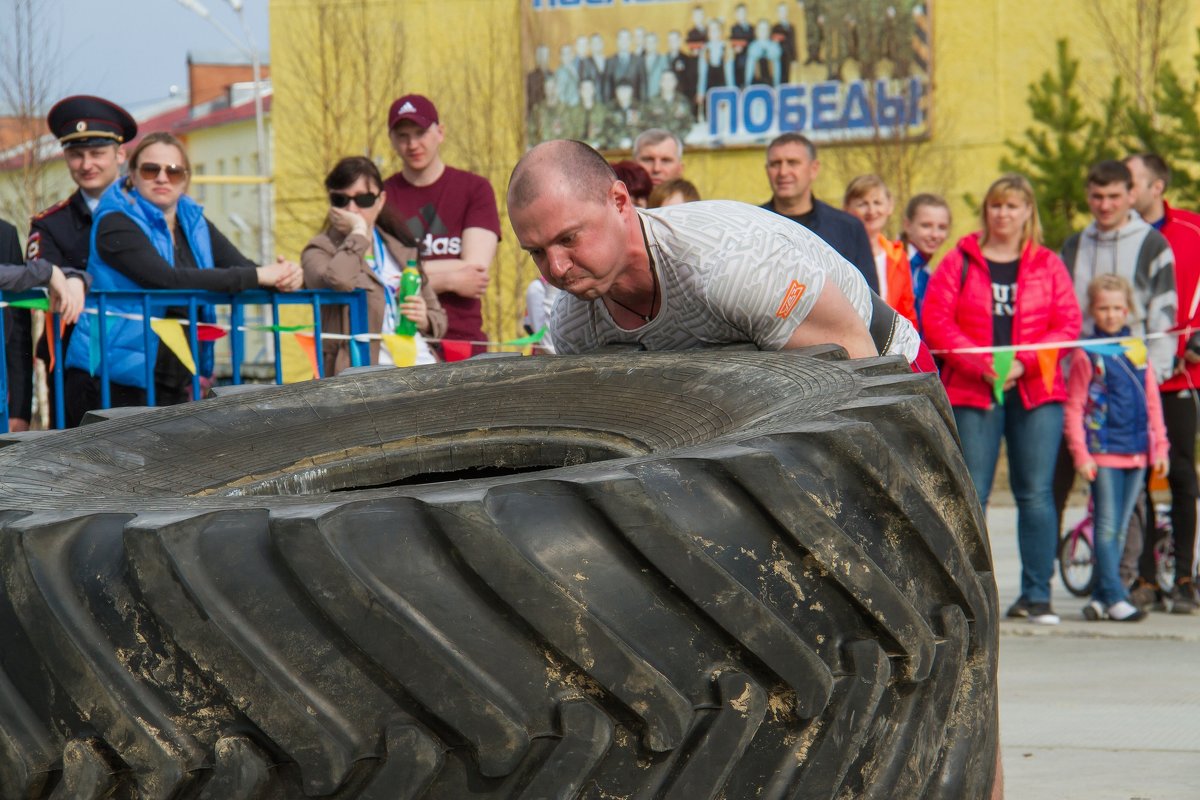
<point>1002,287</point>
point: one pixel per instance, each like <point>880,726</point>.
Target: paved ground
<point>1095,710</point>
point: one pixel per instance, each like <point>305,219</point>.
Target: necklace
<point>654,293</point>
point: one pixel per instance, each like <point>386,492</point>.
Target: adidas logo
<point>407,108</point>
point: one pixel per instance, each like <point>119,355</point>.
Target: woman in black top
<point>148,234</point>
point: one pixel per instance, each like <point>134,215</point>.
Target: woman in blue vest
<point>147,234</point>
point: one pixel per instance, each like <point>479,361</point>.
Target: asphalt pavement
<point>1094,710</point>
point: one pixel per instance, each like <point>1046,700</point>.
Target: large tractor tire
<point>689,575</point>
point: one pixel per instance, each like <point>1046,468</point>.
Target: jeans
<point>1114,494</point>
<point>1032,437</point>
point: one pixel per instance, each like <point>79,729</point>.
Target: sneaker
<point>1146,595</point>
<point>1094,611</point>
<point>1183,598</point>
<point>1123,611</point>
<point>1042,614</point>
<point>1019,609</point>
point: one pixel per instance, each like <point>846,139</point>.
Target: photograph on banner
<point>725,72</point>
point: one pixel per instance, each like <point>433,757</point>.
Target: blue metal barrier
<point>155,302</point>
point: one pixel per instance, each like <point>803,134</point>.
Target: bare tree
<point>28,85</point>
<point>1137,35</point>
<point>349,80</point>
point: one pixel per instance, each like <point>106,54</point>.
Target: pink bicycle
<point>1077,553</point>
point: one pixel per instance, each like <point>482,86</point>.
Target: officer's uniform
<point>61,234</point>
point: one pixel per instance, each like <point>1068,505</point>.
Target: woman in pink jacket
<point>1001,287</point>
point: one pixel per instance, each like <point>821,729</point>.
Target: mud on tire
<point>685,576</point>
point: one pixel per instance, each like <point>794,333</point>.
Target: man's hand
<point>471,280</point>
<point>66,295</point>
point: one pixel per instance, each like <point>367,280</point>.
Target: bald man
<point>686,276</point>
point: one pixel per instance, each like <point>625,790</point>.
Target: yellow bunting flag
<point>309,345</point>
<point>402,348</point>
<point>1135,351</point>
<point>1048,364</point>
<point>172,335</point>
<point>1002,361</point>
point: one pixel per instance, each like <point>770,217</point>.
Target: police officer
<point>92,132</point>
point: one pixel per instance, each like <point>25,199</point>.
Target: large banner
<point>725,72</point>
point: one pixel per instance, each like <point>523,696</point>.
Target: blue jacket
<point>1115,414</point>
<point>126,352</point>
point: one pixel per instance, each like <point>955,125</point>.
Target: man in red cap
<point>450,212</point>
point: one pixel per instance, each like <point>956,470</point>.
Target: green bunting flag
<point>532,338</point>
<point>35,303</point>
<point>280,328</point>
<point>1002,361</point>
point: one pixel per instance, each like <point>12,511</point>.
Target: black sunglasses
<point>175,173</point>
<point>363,200</point>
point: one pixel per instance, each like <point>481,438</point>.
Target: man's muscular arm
<point>833,319</point>
<point>466,276</point>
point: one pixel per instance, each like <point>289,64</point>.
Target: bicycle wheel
<point>1164,553</point>
<point>1077,563</point>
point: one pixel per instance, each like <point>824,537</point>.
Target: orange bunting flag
<point>455,350</point>
<point>50,334</point>
<point>402,348</point>
<point>309,345</point>
<point>1048,364</point>
<point>170,331</point>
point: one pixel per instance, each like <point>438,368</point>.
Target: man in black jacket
<point>18,341</point>
<point>792,166</point>
<point>92,132</point>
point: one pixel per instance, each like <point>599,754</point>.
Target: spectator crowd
<point>1083,362</point>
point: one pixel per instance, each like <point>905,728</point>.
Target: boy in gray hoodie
<point>1119,242</point>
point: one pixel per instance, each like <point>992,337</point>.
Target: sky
<point>133,51</point>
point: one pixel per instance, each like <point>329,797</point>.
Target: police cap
<point>85,121</point>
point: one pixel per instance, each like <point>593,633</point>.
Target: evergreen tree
<point>1064,140</point>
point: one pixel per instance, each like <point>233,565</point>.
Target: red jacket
<point>1182,230</point>
<point>899,279</point>
<point>958,313</point>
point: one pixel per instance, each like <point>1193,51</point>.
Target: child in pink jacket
<point>1113,425</point>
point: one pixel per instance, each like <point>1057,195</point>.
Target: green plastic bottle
<point>410,284</point>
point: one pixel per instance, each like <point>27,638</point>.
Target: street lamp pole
<point>264,156</point>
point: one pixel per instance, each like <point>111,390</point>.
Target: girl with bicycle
<point>1113,425</point>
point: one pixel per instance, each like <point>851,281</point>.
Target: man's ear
<point>619,194</point>
<point>120,154</point>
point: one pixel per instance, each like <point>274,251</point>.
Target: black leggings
<point>1179,413</point>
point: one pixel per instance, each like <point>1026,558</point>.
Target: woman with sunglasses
<point>148,234</point>
<point>363,248</point>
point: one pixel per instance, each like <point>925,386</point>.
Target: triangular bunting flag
<point>402,348</point>
<point>1048,365</point>
<point>33,303</point>
<point>455,350</point>
<point>309,345</point>
<point>50,334</point>
<point>210,333</point>
<point>1002,361</point>
<point>172,335</point>
<point>532,338</point>
<point>280,328</point>
<point>1135,351</point>
<point>1106,349</point>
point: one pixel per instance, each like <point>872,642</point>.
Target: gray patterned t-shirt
<point>728,272</point>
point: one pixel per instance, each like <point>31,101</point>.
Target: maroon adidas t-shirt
<point>436,215</point>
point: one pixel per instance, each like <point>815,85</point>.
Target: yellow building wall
<point>465,54</point>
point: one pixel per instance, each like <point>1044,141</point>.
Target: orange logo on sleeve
<point>794,292</point>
